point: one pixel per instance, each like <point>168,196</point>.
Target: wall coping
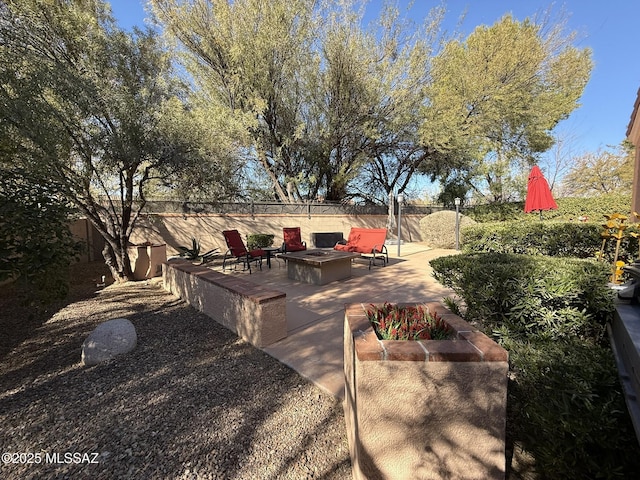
<point>252,291</point>
<point>470,344</point>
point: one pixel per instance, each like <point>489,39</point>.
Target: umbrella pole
<point>540,214</point>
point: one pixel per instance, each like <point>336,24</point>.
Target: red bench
<point>369,242</point>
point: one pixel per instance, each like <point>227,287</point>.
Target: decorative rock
<point>109,339</point>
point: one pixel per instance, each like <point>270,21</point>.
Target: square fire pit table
<point>319,267</point>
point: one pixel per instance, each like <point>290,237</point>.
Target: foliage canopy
<point>496,97</point>
<point>101,112</point>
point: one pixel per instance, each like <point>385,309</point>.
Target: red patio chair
<point>238,250</point>
<point>292,240</point>
<point>369,242</point>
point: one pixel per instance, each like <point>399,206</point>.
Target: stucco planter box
<point>424,409</point>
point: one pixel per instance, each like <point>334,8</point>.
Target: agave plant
<point>193,253</point>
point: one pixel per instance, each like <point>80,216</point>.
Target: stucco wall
<point>633,135</point>
<point>178,229</point>
<point>424,409</point>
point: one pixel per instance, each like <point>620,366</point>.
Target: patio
<point>315,313</point>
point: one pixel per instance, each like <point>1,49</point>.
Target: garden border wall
<point>251,311</point>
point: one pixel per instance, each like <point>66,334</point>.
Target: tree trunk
<point>262,157</point>
<point>118,262</point>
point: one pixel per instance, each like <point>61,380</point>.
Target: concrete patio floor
<point>315,314</point>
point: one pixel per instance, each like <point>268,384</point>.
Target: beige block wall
<point>260,320</point>
<point>82,230</point>
<point>178,229</point>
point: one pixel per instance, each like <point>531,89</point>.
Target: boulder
<point>109,339</point>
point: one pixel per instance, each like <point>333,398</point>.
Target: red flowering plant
<point>394,322</point>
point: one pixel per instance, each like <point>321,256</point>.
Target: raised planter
<point>254,312</point>
<point>424,409</point>
<point>147,260</point>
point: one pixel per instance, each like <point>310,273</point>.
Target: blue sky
<point>606,26</point>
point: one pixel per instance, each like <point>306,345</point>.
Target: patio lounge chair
<point>239,252</point>
<point>292,240</point>
<point>369,242</point>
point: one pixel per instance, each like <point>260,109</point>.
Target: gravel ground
<point>192,401</point>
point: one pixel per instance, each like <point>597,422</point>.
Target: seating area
<point>369,242</point>
<point>313,313</point>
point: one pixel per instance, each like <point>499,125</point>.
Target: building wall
<point>633,135</point>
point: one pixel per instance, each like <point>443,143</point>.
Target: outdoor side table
<point>271,251</point>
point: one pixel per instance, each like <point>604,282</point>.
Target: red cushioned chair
<point>239,252</point>
<point>369,242</point>
<point>292,240</point>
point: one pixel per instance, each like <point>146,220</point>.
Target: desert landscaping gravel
<point>192,401</point>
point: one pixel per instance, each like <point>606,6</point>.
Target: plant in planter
<point>439,397</point>
<point>259,240</point>
<point>411,322</point>
<point>193,253</point>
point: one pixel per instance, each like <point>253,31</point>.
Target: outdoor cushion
<point>368,242</point>
<point>364,240</point>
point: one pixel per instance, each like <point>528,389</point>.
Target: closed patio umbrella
<point>538,193</point>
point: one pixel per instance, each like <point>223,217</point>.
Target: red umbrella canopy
<point>538,193</point>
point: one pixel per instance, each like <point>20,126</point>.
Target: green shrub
<point>497,212</point>
<point>530,295</point>
<point>569,209</point>
<point>555,239</point>
<point>565,402</point>
<point>36,245</point>
<point>566,239</point>
<point>568,410</point>
<point>438,229</point>
<point>259,240</point>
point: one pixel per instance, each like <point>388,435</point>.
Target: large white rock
<point>109,339</point>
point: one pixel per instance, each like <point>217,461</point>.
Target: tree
<point>605,171</point>
<point>557,163</point>
<point>248,58</point>
<point>496,97</point>
<point>36,245</point>
<point>393,67</point>
<point>99,111</point>
<point>318,96</point>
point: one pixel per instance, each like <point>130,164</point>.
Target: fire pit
<point>318,267</point>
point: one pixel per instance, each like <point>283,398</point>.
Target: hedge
<point>569,209</point>
<point>555,239</point>
<point>565,403</point>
